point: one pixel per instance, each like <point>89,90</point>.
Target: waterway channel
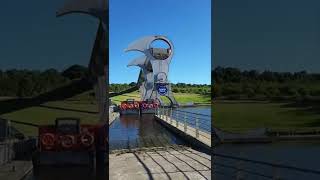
<point>134,131</point>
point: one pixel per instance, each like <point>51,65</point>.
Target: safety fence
<point>200,123</point>
<point>6,152</point>
<point>13,145</point>
<point>232,167</point>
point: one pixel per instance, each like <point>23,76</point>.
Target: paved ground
<point>160,164</point>
<point>113,116</point>
<point>15,170</point>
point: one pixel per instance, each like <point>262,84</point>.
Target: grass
<point>134,95</point>
<point>80,106</point>
<point>228,115</point>
<point>242,116</point>
<point>182,98</point>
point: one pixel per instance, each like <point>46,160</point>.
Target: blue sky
<point>267,35</point>
<point>187,23</point>
<point>33,38</point>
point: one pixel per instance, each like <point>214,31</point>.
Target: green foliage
<point>202,89</point>
<point>75,72</point>
<point>245,115</point>
<point>231,82</point>
<point>28,83</point>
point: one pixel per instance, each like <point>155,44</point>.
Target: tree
<point>75,72</point>
<point>132,84</point>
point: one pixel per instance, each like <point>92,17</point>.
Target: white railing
<point>200,123</point>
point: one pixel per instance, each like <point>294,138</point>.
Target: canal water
<point>134,131</point>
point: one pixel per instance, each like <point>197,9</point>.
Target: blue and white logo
<point>162,90</point>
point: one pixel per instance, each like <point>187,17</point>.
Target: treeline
<point>232,83</point>
<point>28,83</point>
<point>176,88</point>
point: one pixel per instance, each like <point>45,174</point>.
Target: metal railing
<point>6,143</point>
<point>200,123</point>
<point>231,167</point>
<point>12,148</point>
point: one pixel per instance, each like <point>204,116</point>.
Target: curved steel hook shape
<point>98,9</point>
<point>154,68</point>
<point>143,45</point>
<point>95,8</point>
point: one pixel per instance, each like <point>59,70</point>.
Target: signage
<point>162,89</point>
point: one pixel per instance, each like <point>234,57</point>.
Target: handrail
<point>200,122</point>
<point>192,118</point>
<point>25,123</point>
<point>269,164</point>
<point>192,113</point>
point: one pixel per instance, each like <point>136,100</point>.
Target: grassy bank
<point>182,98</point>
<point>245,115</point>
<point>81,106</point>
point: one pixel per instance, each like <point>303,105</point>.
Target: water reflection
<point>133,131</point>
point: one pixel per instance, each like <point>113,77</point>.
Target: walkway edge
<point>190,139</point>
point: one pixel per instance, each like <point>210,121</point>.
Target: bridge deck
<point>203,137</point>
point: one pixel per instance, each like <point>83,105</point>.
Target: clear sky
<point>278,35</point>
<point>33,38</point>
<point>187,23</point>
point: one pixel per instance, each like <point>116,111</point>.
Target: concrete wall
<point>189,139</point>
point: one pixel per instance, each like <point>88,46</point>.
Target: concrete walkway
<point>203,137</point>
<point>160,164</point>
<point>113,116</point>
<point>15,170</point>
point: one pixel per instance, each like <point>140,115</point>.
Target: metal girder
<point>98,62</point>
<point>154,66</point>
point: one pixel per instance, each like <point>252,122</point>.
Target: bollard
<point>197,127</point>
<point>185,122</point>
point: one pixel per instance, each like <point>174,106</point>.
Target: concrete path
<point>160,164</point>
<point>15,170</point>
<point>113,116</point>
<point>203,136</point>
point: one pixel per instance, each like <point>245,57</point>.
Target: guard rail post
<point>177,124</point>
<point>197,127</point>
<point>185,122</point>
<point>171,112</point>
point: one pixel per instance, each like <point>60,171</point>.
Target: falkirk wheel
<point>98,61</point>
<point>154,66</point>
